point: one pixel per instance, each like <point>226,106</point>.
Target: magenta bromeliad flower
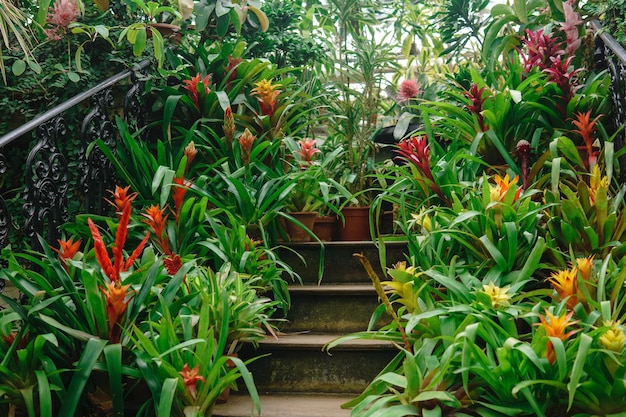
<point>63,14</point>
<point>195,85</point>
<point>560,74</point>
<point>541,48</point>
<point>475,95</point>
<point>408,89</point>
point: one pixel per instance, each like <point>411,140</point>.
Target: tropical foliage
<point>501,173</point>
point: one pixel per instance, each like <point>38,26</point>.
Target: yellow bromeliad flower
<point>596,183</point>
<point>613,339</point>
<point>499,296</point>
<point>403,284</point>
<point>566,285</point>
<point>266,93</point>
<point>422,220</point>
<point>585,265</point>
<point>499,191</point>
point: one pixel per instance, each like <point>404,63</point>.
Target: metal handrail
<point>68,104</point>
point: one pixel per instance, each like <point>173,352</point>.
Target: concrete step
<point>9,291</point>
<point>331,308</point>
<point>298,363</point>
<point>285,405</point>
<point>340,266</point>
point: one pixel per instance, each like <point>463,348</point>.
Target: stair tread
<point>285,405</point>
<point>305,340</point>
<point>333,289</point>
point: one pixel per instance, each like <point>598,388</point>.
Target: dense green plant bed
<point>501,177</point>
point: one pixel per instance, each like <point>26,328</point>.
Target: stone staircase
<point>299,378</point>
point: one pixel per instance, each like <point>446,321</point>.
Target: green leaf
<point>113,356</point>
<point>18,67</point>
<point>577,368</point>
<point>84,367</point>
<point>168,391</point>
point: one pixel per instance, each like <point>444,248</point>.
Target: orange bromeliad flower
<point>191,378</point>
<point>121,199</point>
<point>555,327</point>
<point>246,140</point>
<point>586,131</point>
<point>115,295</point>
<point>157,222</point>
<point>566,285</point>
<point>266,94</point>
<point>113,269</point>
<point>67,248</point>
<point>500,190</point>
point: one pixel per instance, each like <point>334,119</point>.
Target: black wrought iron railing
<point>610,55</point>
<point>46,178</point>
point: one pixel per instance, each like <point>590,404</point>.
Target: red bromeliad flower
<point>266,94</point>
<point>117,301</point>
<point>191,378</point>
<point>246,140</point>
<point>113,269</point>
<point>195,85</point>
<point>416,151</point>
<point>559,73</point>
<point>157,222</point>
<point>173,263</point>
<point>307,150</point>
<point>475,95</point>
<point>178,193</point>
<point>555,327</point>
<point>232,64</point>
<point>586,129</point>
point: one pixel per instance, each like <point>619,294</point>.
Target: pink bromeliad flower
<point>408,89</point>
<point>63,14</point>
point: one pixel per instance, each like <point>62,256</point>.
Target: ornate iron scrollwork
<point>605,58</point>
<point>96,168</point>
<point>46,188</point>
<point>134,109</point>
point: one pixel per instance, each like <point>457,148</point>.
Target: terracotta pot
<point>325,227</point>
<point>356,225</point>
<point>297,233</point>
